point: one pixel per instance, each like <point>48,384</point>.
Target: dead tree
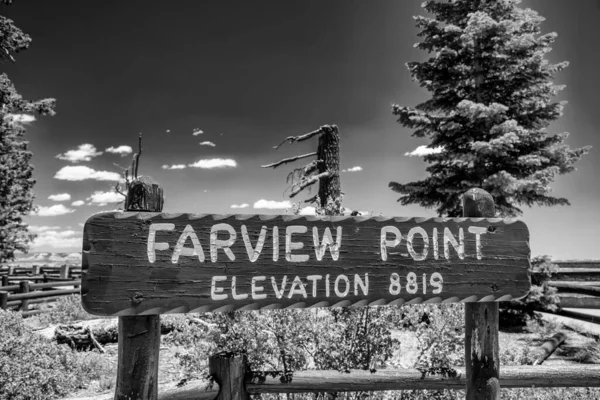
<point>325,169</point>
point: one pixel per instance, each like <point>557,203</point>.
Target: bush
<point>32,367</point>
<point>66,309</point>
<point>541,297</point>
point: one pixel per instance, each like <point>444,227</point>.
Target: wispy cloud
<point>101,198</point>
<point>175,166</point>
<point>197,132</point>
<point>78,203</point>
<point>214,163</point>
<point>85,152</point>
<point>57,239</point>
<point>52,211</point>
<point>272,204</point>
<point>243,205</point>
<point>81,173</point>
<point>423,151</point>
<point>207,143</point>
<point>60,197</point>
<point>20,118</point>
<point>122,150</point>
<point>43,228</point>
<point>308,210</point>
<point>353,169</point>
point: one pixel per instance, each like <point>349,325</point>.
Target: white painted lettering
<point>314,279</point>
<point>253,253</point>
<point>255,288</point>
<point>478,231</point>
<point>436,281</point>
<point>410,247</point>
<point>327,285</point>
<point>275,243</point>
<point>384,243</point>
<point>234,293</point>
<point>297,288</point>
<point>459,247</point>
<point>214,290</point>
<point>364,285</point>
<point>279,293</point>
<point>152,245</point>
<point>336,286</point>
<point>320,248</point>
<point>436,250</point>
<point>289,245</point>
<point>216,244</point>
<point>188,232</point>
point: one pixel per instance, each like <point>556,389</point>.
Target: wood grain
<point>118,277</point>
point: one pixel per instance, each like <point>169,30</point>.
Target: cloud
<point>57,239</point>
<point>20,118</point>
<point>81,172</point>
<point>43,228</point>
<point>244,205</point>
<point>423,151</point>
<point>353,169</point>
<point>214,163</point>
<point>175,166</point>
<point>122,150</point>
<point>271,204</point>
<point>101,198</point>
<point>85,152</point>
<point>78,203</point>
<point>308,210</point>
<point>60,197</point>
<point>197,132</point>
<point>52,211</point>
<point>207,143</point>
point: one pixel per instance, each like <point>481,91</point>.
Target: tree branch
<point>307,182</point>
<point>300,138</point>
<point>288,160</point>
<point>137,157</point>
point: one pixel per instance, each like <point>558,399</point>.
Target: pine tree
<point>491,102</point>
<point>16,171</point>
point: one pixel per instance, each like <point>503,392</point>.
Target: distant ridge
<point>50,259</point>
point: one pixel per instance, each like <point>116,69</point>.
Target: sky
<point>247,74</point>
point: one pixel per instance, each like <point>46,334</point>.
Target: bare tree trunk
<point>329,152</point>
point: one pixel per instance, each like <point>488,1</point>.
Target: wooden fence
<point>25,288</point>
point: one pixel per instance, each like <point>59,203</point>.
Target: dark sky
<point>248,74</point>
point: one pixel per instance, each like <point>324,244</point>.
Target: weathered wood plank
<point>407,379</point>
<point>152,263</point>
<point>578,301</point>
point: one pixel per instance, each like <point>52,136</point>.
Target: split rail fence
<point>26,288</point>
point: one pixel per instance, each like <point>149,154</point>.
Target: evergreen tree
<point>491,102</point>
<point>16,172</point>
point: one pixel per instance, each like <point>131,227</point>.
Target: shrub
<point>66,309</point>
<point>32,367</point>
<point>541,297</point>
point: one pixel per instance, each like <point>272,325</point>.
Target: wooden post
<point>3,300</point>
<point>64,271</point>
<point>482,358</point>
<point>328,151</point>
<point>5,280</point>
<point>139,336</point>
<point>24,288</point>
<point>229,370</point>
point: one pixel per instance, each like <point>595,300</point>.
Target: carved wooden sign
<point>152,263</point>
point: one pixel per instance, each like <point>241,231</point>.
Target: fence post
<point>229,370</point>
<point>5,280</point>
<point>64,271</point>
<point>24,288</point>
<point>482,358</point>
<point>139,336</point>
<point>3,300</point>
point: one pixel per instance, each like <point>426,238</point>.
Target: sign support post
<point>482,353</point>
<point>139,336</point>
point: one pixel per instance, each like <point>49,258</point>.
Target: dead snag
<point>325,169</point>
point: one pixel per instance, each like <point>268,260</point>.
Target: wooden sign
<point>152,263</point>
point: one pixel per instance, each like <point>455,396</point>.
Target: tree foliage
<point>491,102</point>
<point>16,171</point>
